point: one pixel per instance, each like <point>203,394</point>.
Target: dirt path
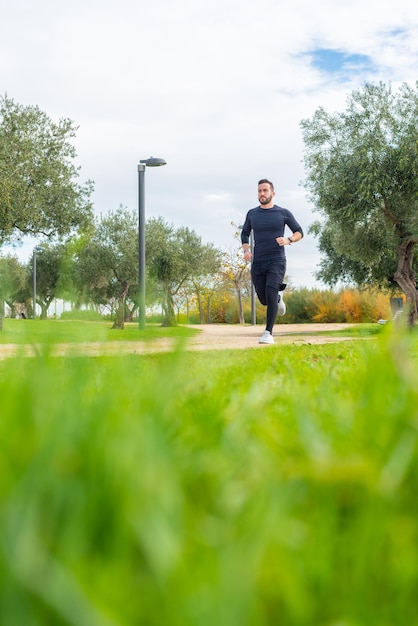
<point>218,336</point>
<point>211,337</point>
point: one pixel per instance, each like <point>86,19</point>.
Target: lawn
<point>23,332</point>
<point>200,488</point>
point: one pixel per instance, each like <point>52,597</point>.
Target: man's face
<point>265,194</point>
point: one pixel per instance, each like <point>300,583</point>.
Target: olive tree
<point>49,262</point>
<point>362,176</point>
<point>13,287</point>
<point>107,264</point>
<point>39,189</point>
<point>175,256</point>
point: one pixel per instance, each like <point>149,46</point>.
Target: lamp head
<point>153,162</point>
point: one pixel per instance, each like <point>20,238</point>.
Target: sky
<point>217,88</point>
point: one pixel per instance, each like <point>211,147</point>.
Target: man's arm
<point>296,229</point>
<point>245,238</point>
<point>286,241</point>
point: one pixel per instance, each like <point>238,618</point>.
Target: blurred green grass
<point>46,332</point>
<point>56,331</point>
<point>230,488</point>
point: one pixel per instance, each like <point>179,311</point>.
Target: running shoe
<point>282,307</point>
<point>266,337</point>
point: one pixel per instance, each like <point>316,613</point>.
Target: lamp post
<point>151,162</point>
<point>35,250</point>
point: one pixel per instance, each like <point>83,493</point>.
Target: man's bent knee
<point>262,299</point>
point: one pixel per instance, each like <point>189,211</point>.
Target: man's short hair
<point>266,180</point>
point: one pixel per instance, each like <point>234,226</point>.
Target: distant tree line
<point>100,271</point>
<point>99,279</point>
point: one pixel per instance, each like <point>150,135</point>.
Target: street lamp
<point>151,162</point>
<point>35,250</point>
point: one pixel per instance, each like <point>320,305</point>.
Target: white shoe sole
<point>282,308</point>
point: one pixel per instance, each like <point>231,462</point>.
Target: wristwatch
<point>290,239</point>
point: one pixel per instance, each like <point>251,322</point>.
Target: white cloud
<point>216,88</point>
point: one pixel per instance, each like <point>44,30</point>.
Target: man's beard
<point>266,200</point>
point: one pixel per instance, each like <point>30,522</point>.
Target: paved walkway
<point>211,337</point>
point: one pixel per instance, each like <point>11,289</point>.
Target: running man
<point>268,268</point>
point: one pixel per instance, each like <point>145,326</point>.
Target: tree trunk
<point>29,308</point>
<point>209,309</point>
<point>406,279</point>
<point>120,311</point>
<point>129,313</point>
<point>119,322</point>
<point>169,316</point>
<point>200,305</point>
<point>12,307</point>
<point>240,303</point>
<point>44,310</point>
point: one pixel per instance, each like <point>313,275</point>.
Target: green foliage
<point>81,315</point>
<point>303,306</point>
<point>362,174</point>
<point>175,256</point>
<point>39,190</point>
<point>208,494</point>
<point>13,287</point>
<point>106,266</point>
<point>49,263</point>
<point>328,306</point>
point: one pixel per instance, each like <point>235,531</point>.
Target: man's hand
<point>282,241</point>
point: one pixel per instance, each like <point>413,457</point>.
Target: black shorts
<point>267,274</point>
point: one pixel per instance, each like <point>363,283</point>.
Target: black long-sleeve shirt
<point>267,225</point>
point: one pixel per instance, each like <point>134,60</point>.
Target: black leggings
<point>267,278</point>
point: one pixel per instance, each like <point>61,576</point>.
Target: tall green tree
<point>236,272</point>
<point>49,262</point>
<point>205,289</point>
<point>13,286</point>
<point>107,266</point>
<point>39,188</point>
<point>89,276</point>
<point>175,256</point>
<point>362,176</point>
